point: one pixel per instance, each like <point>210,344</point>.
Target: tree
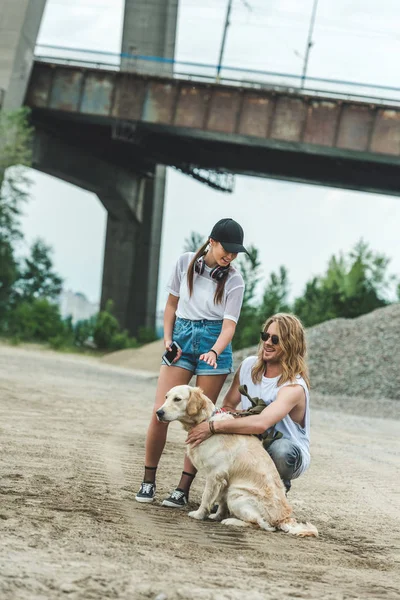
<point>352,286</point>
<point>15,152</point>
<point>37,277</point>
<point>16,139</point>
<point>246,333</point>
<point>193,242</point>
<point>315,305</point>
<point>375,267</point>
<point>36,320</point>
<point>8,275</point>
<point>275,298</point>
<point>249,266</point>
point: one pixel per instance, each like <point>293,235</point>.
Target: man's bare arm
<point>286,400</point>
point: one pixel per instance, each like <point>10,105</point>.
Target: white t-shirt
<point>201,304</point>
<point>268,390</point>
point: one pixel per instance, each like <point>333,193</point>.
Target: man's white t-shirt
<point>201,304</point>
<point>267,390</point>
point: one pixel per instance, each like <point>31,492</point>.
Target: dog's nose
<point>160,413</point>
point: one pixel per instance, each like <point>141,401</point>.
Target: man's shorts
<point>196,338</point>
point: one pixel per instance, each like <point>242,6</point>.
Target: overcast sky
<point>297,225</point>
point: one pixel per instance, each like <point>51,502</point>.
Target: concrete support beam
<point>19,26</point>
<point>152,237</point>
<point>149,29</point>
<point>121,190</point>
<point>131,260</point>
<point>119,281</point>
<point>135,211</point>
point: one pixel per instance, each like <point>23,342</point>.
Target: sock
<point>185,482</point>
<point>149,474</point>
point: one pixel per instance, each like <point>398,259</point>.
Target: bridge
<point>266,130</point>
<point>112,124</point>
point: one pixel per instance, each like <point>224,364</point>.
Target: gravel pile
<point>357,357</point>
<point>354,357</point>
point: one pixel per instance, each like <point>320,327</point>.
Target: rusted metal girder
<point>126,131</point>
<point>263,113</point>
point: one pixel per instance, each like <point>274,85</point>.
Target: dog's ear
<point>196,402</point>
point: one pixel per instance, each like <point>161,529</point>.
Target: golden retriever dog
<point>240,475</point>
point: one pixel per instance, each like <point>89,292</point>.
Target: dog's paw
<point>196,514</point>
<point>235,522</point>
<point>217,517</point>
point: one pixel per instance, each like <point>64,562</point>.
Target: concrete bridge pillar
<point>131,258</point>
<point>149,29</point>
<point>19,27</point>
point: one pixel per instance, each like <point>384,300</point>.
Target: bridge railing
<point>229,75</point>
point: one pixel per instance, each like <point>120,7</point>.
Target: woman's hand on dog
<point>210,358</point>
<point>198,434</point>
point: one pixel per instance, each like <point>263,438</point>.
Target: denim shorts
<point>196,338</point>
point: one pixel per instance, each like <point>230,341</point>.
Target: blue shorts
<point>196,338</point>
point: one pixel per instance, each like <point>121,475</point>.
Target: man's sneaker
<point>146,493</point>
<point>177,499</point>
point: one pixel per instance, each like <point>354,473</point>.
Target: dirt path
<point>72,436</point>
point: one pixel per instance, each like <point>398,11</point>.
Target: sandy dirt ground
<point>72,438</point>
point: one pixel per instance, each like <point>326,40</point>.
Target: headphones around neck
<point>218,273</point>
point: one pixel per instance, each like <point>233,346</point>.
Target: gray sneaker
<point>176,499</point>
<point>146,493</point>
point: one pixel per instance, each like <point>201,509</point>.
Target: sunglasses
<point>264,335</point>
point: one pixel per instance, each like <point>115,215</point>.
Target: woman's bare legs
<point>157,432</point>
<point>211,386</point>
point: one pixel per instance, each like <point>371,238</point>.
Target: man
<point>278,376</point>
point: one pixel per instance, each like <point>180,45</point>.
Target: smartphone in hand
<point>169,355</point>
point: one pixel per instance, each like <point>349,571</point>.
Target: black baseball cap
<point>230,234</point>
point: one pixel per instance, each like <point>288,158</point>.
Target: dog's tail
<point>300,529</point>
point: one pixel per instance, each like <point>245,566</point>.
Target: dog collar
<point>217,411</point>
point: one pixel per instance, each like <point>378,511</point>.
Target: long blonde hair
<point>219,292</point>
<point>293,345</point>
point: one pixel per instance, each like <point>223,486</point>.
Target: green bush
<point>105,329</point>
<point>83,332</point>
<point>146,335</point>
<point>57,342</point>
<point>107,334</point>
<point>21,322</point>
<point>38,320</point>
<point>121,340</point>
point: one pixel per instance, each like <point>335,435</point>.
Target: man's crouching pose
<point>277,378</point>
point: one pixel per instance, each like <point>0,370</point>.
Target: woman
<point>203,307</point>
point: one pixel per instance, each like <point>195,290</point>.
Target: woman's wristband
<point>215,352</point>
<point>211,427</point>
